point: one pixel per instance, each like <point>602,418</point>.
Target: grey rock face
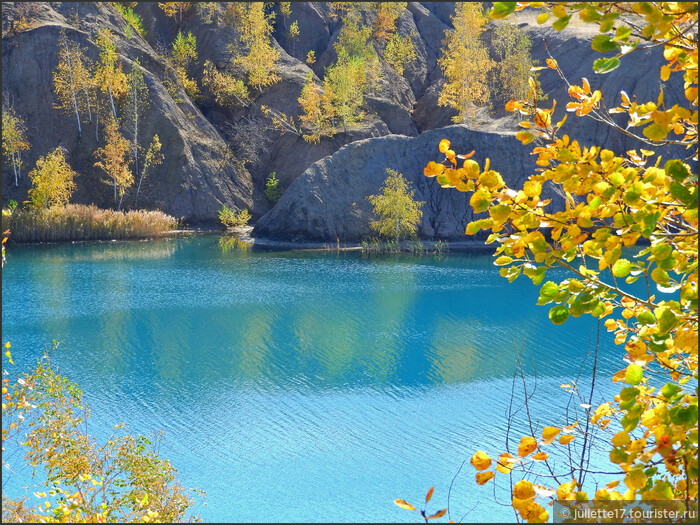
<point>329,200</point>
<point>193,182</point>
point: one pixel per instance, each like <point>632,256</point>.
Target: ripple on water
<point>294,387</point>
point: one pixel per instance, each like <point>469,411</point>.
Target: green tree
<point>399,51</point>
<point>613,200</point>
<point>465,62</point>
<point>398,215</point>
<point>14,139</point>
<point>273,190</point>
<point>345,84</point>
<point>227,90</point>
<point>52,181</point>
<point>514,65</point>
<point>184,53</point>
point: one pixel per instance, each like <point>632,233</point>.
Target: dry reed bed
<point>76,222</point>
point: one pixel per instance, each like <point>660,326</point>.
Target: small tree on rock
<point>398,215</point>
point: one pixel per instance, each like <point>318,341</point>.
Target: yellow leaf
<point>505,463</point>
<point>433,169</point>
<point>540,456</point>
<point>665,73</point>
<point>401,503</point>
<point>527,445</point>
<point>566,439</point>
<point>549,433</point>
<point>444,145</point>
<point>483,477</point>
<point>523,489</point>
<point>586,86</point>
<point>552,63</point>
<point>481,460</point>
<point>542,118</point>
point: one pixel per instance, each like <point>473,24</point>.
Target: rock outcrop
<point>193,181</point>
<point>329,201</point>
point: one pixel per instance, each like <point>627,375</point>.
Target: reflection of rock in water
<point>117,250</point>
<point>232,242</point>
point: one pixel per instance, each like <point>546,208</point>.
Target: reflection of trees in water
<point>108,250</point>
<point>232,243</point>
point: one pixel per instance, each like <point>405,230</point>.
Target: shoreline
<point>244,235</point>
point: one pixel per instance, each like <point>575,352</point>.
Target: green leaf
<point>665,318</point>
<point>549,290</point>
<point>605,65</point>
<point>646,318</point>
<point>500,212</point>
<point>634,374</point>
<point>681,193</point>
<point>559,314</point>
<point>685,416</point>
<point>629,393</point>
<point>669,390</point>
<point>542,18</point>
<point>677,170</point>
<point>502,9</point>
<point>603,44</point>
<point>629,423</point>
<point>621,268</point>
<point>618,455</point>
<point>560,24</point>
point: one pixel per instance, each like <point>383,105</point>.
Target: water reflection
<point>319,379</point>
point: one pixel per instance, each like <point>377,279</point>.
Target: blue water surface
<point>300,386</point>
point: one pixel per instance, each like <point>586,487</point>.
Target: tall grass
<point>76,222</point>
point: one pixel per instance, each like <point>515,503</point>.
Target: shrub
<point>231,219</point>
<point>273,191</point>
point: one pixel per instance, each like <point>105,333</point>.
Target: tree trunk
<point>397,229</point>
<point>136,135</point>
<point>15,166</point>
<point>75,100</point>
<point>87,98</point>
<point>111,101</point>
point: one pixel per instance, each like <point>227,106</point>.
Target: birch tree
<point>109,74</point>
<point>114,160</point>
<point>153,158</point>
<point>465,62</point>
<point>134,109</point>
<point>52,181</point>
<point>71,79</point>
<point>398,215</point>
<point>14,139</point>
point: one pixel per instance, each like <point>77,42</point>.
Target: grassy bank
<point>77,222</point>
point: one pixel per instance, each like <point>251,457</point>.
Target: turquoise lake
<point>299,386</point>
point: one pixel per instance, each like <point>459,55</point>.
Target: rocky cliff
<point>201,172</point>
